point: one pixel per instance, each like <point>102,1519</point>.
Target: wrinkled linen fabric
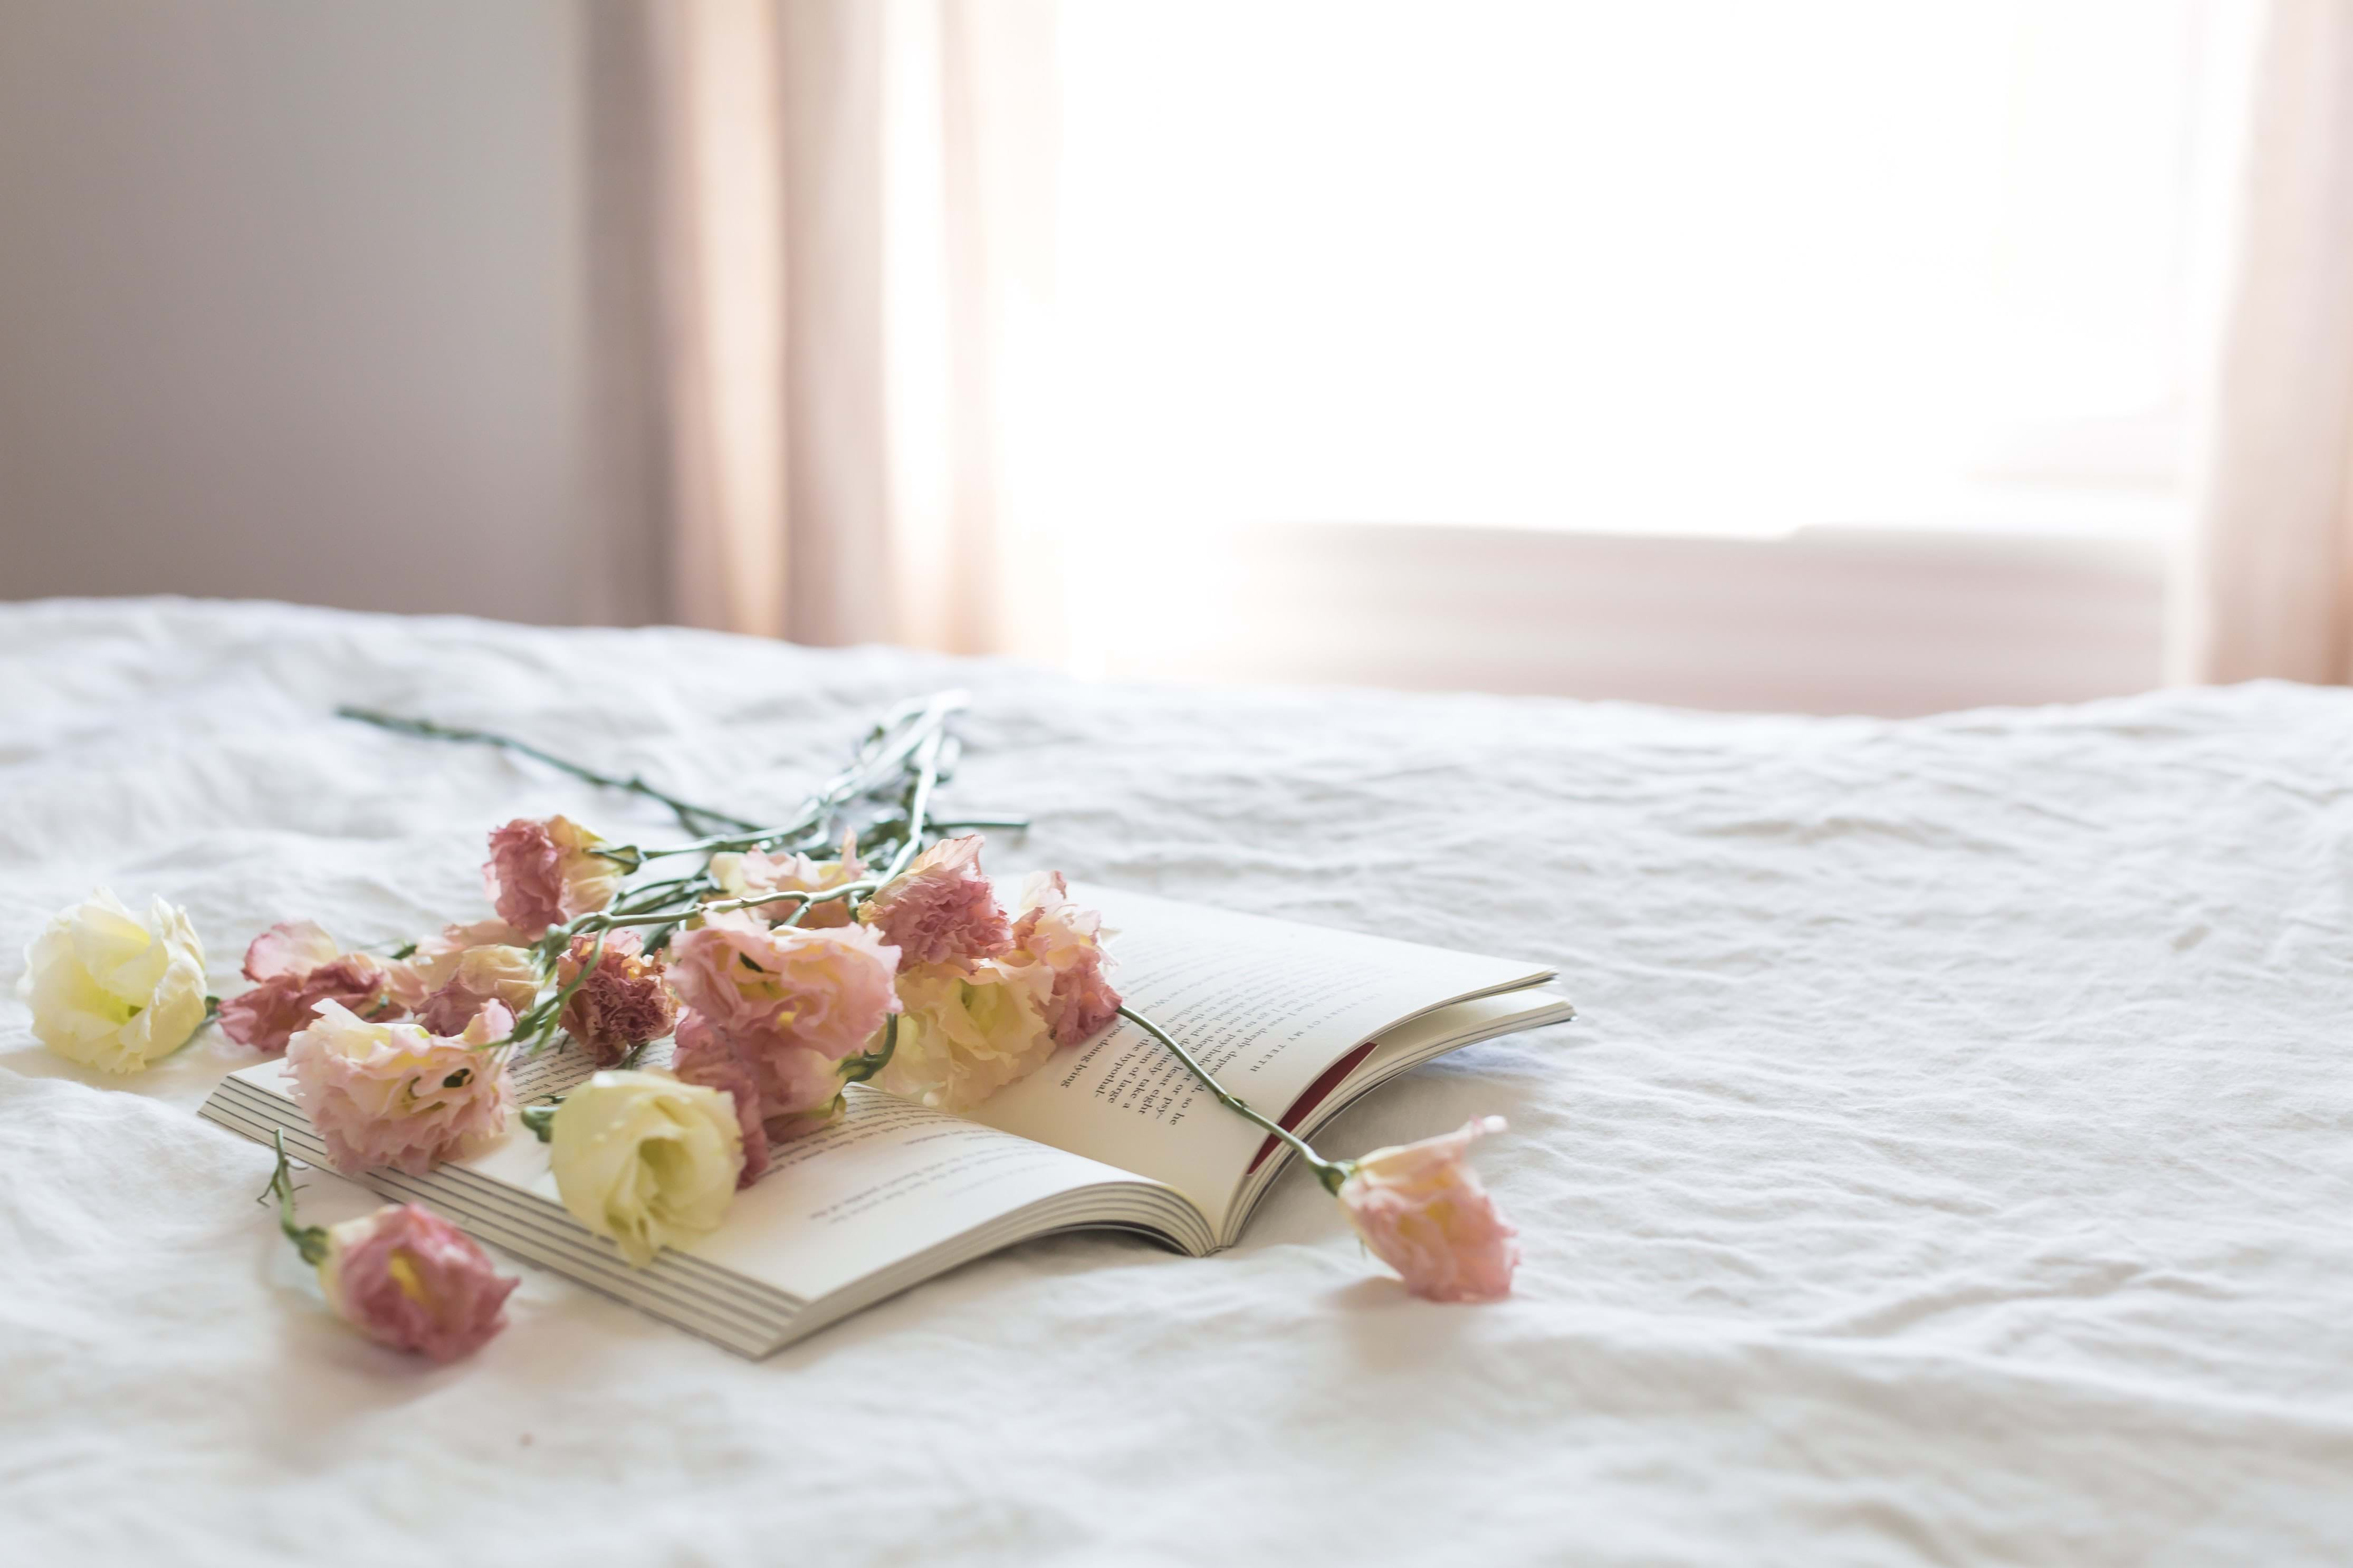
<point>1952,1162</point>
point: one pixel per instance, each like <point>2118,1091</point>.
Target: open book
<point>1292,1018</point>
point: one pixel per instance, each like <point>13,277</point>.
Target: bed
<point>1953,1160</point>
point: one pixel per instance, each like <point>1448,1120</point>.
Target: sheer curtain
<point>2270,590</point>
<point>825,241</point>
<point>826,233</point>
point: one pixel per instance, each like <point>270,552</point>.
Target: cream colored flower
<point>968,1032</point>
<point>110,991</point>
<point>646,1160</point>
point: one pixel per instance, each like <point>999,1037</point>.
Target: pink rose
<point>1068,940</point>
<point>1421,1208</point>
<point>295,966</point>
<point>624,1002</point>
<point>825,991</point>
<point>545,872</point>
<point>391,1094</point>
<point>481,975</point>
<point>406,1278</point>
<point>941,909</point>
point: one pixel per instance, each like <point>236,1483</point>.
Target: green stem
<point>1331,1173</point>
<point>870,1063</point>
<point>911,730</point>
<point>918,803</point>
<point>685,811</point>
<point>720,906</point>
<point>635,901</point>
<point>310,1240</point>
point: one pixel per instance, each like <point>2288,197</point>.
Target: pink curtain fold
<point>2269,589</point>
<point>826,232</point>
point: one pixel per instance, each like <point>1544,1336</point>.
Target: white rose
<point>646,1160</point>
<point>111,993</point>
<point>968,1031</point>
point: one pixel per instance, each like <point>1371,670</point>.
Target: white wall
<point>292,302</point>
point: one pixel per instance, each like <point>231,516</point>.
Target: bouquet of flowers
<point>856,941</point>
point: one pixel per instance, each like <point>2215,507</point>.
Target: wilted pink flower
<point>780,1092</point>
<point>406,1278</point>
<point>1421,1208</point>
<point>296,966</point>
<point>1068,940</point>
<point>481,975</point>
<point>759,872</point>
<point>941,909</point>
<point>825,991</point>
<point>543,873</point>
<point>624,1002</point>
<point>391,1094</point>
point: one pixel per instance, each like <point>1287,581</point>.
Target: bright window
<point>1683,266</point>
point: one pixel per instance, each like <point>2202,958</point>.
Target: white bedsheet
<point>1954,1160</point>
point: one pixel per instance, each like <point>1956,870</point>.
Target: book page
<point>1265,1005</point>
<point>887,1180</point>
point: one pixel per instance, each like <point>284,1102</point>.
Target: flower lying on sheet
<point>625,1002</point>
<point>406,1278</point>
<point>1422,1209</point>
<point>295,965</point>
<point>543,873</point>
<point>392,1094</point>
<point>645,1159</point>
<point>941,909</point>
<point>403,1276</point>
<point>112,992</point>
<point>1067,940</point>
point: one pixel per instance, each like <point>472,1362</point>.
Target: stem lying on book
<point>1331,1173</point>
